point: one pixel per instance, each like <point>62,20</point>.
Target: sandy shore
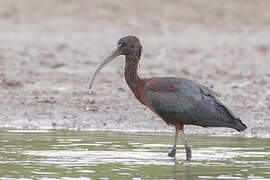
<point>50,49</point>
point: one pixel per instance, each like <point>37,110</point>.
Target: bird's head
<point>128,46</point>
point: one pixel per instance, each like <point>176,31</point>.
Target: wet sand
<point>49,50</point>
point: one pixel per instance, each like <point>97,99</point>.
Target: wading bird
<point>178,101</point>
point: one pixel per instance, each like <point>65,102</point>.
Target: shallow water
<point>29,154</point>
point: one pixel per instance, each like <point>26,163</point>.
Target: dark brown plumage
<point>178,101</point>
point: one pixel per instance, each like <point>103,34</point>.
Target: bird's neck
<point>131,72</point>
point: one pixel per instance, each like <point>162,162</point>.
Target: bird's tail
<point>240,126</point>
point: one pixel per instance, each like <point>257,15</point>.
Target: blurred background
<point>50,49</point>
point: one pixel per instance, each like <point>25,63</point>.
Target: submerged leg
<point>173,151</point>
<point>188,149</point>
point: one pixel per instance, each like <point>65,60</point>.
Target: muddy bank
<point>49,50</point>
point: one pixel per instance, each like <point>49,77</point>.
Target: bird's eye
<point>120,45</point>
<point>123,45</point>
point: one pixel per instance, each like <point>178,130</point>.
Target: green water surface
<point>58,154</point>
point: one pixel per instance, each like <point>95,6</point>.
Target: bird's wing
<point>179,100</point>
<point>218,104</point>
<point>206,91</point>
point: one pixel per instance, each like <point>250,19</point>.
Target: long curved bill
<point>108,59</point>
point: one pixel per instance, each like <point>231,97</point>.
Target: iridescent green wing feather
<point>180,100</point>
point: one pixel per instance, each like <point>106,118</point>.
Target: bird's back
<point>182,101</point>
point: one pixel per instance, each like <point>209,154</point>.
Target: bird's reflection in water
<point>181,170</point>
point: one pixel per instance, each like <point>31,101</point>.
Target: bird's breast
<point>139,93</point>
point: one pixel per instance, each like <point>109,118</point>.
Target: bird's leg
<point>188,149</point>
<point>173,151</point>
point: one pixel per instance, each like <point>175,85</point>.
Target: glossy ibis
<point>178,101</point>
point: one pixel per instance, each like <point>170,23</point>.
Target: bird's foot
<point>188,159</point>
<point>188,153</point>
<point>172,153</point>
